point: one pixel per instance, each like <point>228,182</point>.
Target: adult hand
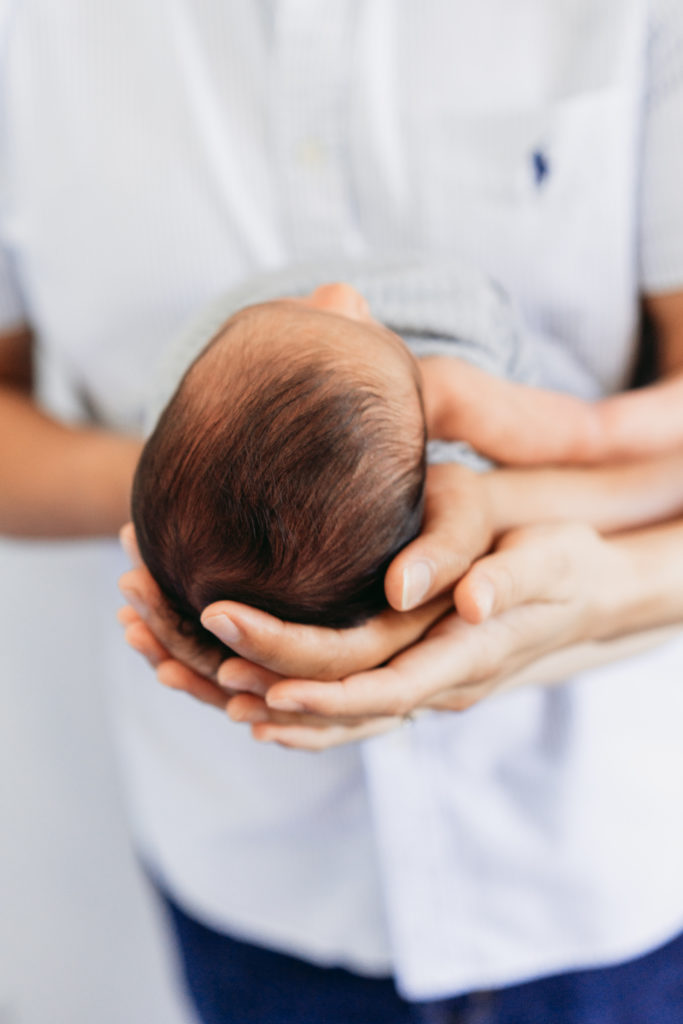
<point>543,589</point>
<point>546,598</point>
<point>527,426</point>
<point>307,732</point>
<point>181,660</point>
<point>457,529</point>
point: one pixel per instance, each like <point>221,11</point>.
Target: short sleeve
<point>661,179</point>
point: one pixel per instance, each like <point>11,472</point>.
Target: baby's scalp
<point>292,329</point>
<point>287,470</point>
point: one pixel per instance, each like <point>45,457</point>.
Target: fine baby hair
<point>283,475</point>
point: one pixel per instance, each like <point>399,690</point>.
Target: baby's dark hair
<point>285,483</point>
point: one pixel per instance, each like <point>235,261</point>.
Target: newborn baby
<point>288,468</point>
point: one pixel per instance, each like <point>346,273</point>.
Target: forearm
<point>513,423</point>
<point>569,661</point>
<point>641,589</point>
<point>60,481</point>
<point>611,498</point>
<point>646,589</point>
<point>641,608</point>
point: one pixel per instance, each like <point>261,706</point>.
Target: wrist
<point>641,583</point>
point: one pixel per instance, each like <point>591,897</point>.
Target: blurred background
<point>80,934</point>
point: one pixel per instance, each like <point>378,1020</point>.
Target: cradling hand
<point>543,589</point>
<point>457,529</point>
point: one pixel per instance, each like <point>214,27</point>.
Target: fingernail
<point>222,627</point>
<point>417,580</point>
<point>135,601</point>
<point>285,704</point>
<point>232,679</point>
<point>253,715</point>
<point>485,595</point>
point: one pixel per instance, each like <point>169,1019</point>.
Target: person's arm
<point>609,497</point>
<point>526,426</point>
<point>550,577</point>
<point>513,423</point>
<point>271,649</point>
<point>549,601</point>
<point>545,591</point>
<point>55,480</point>
<point>463,514</point>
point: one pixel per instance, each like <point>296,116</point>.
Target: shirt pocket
<point>544,200</point>
<point>500,169</point>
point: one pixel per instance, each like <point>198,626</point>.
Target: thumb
<point>457,528</point>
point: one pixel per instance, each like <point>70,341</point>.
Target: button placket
<point>310,107</point>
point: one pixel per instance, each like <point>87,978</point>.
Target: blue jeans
<point>233,982</point>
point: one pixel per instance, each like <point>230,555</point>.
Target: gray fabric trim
<point>445,309</point>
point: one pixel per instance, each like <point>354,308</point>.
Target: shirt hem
<point>605,955</point>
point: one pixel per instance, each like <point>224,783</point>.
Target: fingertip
<point>223,627</point>
<point>130,638</point>
<point>129,544</point>
<point>485,598</point>
<point>135,600</point>
<point>139,582</point>
<point>167,676</point>
<point>467,609</point>
<point>418,581</point>
<point>410,577</point>
<point>243,620</point>
<point>410,584</point>
<point>262,732</point>
<point>475,599</point>
<point>127,580</point>
<point>276,703</point>
<point>127,615</point>
<point>235,710</point>
<point>247,708</point>
<point>133,634</point>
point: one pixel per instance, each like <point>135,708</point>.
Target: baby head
<point>288,468</point>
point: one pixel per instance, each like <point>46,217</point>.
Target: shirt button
<point>311,153</point>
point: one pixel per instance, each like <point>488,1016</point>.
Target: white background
<point>81,938</point>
